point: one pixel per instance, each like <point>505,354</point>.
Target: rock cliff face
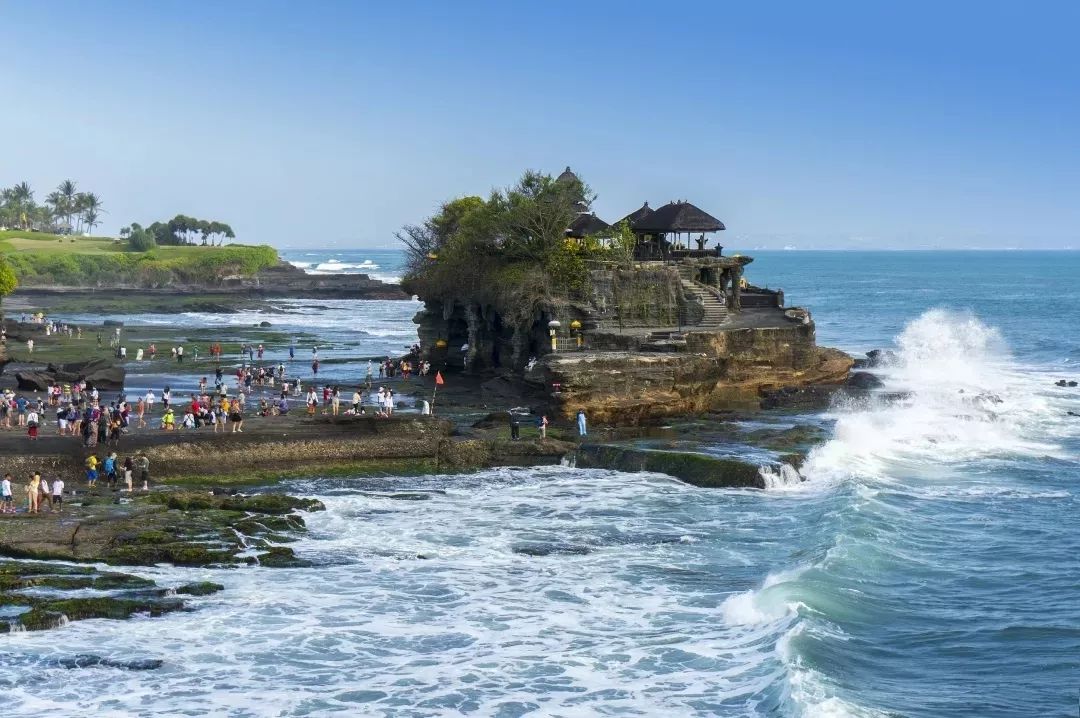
<point>721,370</point>
<point>620,298</point>
<point>639,364</point>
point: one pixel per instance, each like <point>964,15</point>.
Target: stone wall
<point>642,297</point>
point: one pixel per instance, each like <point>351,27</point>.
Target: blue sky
<point>831,124</point>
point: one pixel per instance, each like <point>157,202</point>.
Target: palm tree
<point>23,199</point>
<point>90,216</point>
<point>85,203</point>
<point>68,192</point>
<point>57,204</point>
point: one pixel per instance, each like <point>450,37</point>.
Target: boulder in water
<point>264,324</point>
<point>876,358</point>
<point>112,323</point>
<point>863,381</point>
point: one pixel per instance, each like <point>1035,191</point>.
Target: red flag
<point>438,379</point>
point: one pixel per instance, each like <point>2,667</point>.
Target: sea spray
<point>962,397</point>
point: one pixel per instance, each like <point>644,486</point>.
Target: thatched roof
<point>679,217</point>
<point>567,176</point>
<point>637,215</point>
<point>585,224</point>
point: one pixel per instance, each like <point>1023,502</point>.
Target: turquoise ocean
<point>927,565</point>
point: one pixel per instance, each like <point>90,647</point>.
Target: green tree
<point>87,207</point>
<point>22,200</point>
<point>8,280</point>
<point>68,191</point>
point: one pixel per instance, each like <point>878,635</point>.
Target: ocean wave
<point>967,399</point>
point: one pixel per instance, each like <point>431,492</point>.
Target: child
<point>91,471</point>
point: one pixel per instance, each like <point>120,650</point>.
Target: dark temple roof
<point>679,217</point>
<point>642,212</point>
<point>567,176</point>
<point>585,224</point>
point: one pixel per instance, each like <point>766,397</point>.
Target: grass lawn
<point>16,241</point>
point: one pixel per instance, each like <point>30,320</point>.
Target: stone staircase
<point>715,310</point>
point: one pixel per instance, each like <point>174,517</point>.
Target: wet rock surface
<point>36,596</point>
<point>184,528</point>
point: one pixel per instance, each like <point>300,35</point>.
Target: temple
<point>674,328</point>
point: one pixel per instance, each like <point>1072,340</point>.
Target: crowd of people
<point>43,495</point>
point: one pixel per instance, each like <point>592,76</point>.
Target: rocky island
<point>626,322</point>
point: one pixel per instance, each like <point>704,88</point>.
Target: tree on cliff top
<point>509,251</point>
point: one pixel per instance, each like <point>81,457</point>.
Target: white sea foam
<point>964,398</point>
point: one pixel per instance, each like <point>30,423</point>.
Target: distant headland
<point>46,249</point>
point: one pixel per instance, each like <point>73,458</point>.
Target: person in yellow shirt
<point>91,470</point>
<point>168,421</point>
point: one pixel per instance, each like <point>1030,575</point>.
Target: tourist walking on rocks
<point>43,492</point>
<point>236,418</point>
<point>150,399</point>
<point>335,400</point>
<point>129,471</point>
<point>581,428</point>
<point>58,495</point>
<point>143,465</point>
<point>312,401</point>
<point>543,426</point>
<point>180,355</point>
<point>33,494</point>
<point>315,367</point>
<point>140,412</point>
<point>7,501</point>
<point>32,424</point>
<point>109,467</point>
<point>30,346</point>
<point>166,396</point>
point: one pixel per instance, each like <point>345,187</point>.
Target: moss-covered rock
<point>49,609</point>
<point>696,469</point>
<point>280,557</point>
<point>201,588</point>
<point>270,504</point>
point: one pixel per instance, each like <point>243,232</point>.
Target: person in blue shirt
<point>110,470</point>
<point>20,409</point>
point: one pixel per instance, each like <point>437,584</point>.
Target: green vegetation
<point>179,230</point>
<point>43,244</point>
<point>49,259</point>
<point>55,214</point>
<point>511,250</point>
<point>157,268</point>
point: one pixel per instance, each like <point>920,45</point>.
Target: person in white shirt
<point>32,420</point>
<point>7,501</point>
<point>58,495</point>
<point>150,399</point>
